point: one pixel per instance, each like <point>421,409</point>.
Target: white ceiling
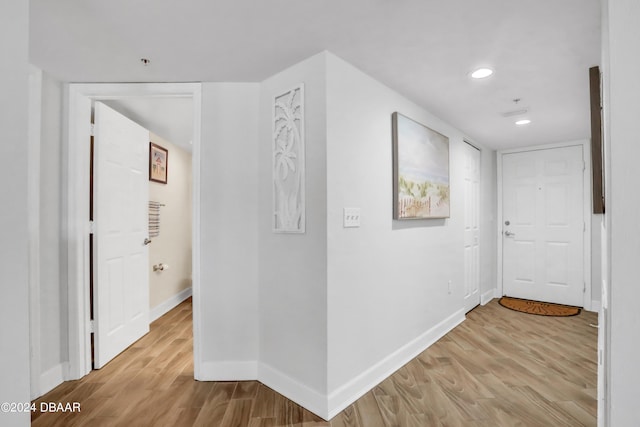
<point>171,118</point>
<point>540,49</point>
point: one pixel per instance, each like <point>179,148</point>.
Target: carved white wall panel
<point>288,162</point>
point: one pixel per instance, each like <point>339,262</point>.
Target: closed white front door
<point>543,225</point>
<point>121,275</point>
<point>471,227</point>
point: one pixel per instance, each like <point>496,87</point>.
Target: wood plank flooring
<point>498,368</point>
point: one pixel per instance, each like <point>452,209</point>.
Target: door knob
<point>147,241</point>
<point>509,234</point>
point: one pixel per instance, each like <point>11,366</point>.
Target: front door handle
<point>509,234</point>
<point>147,241</point>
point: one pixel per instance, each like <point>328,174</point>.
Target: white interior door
<point>121,275</point>
<point>543,225</point>
<point>471,227</point>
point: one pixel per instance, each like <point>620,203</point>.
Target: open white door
<point>121,194</point>
<point>543,225</point>
<point>471,227</point>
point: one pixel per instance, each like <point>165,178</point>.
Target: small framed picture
<point>158,163</point>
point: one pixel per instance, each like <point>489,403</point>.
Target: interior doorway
<point>140,209</point>
<point>80,101</point>
<point>119,252</point>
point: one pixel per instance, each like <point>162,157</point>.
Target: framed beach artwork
<point>420,171</point>
<point>158,163</point>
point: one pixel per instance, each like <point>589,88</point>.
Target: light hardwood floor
<point>498,368</point>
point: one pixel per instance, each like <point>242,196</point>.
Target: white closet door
<point>471,227</point>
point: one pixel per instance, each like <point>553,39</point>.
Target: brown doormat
<point>539,308</point>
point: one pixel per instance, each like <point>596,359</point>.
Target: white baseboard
<point>304,396</point>
<point>595,306</point>
<point>354,389</point>
<point>229,371</point>
<point>51,379</point>
<point>163,308</point>
<point>317,402</point>
<point>486,297</point>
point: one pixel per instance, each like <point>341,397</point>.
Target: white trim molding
<point>303,395</point>
<point>76,211</point>
<point>324,405</point>
<point>229,371</point>
<point>486,297</point>
<point>33,198</point>
<point>52,378</point>
<point>350,392</point>
<point>170,303</point>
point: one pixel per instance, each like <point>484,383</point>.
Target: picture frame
<point>421,187</point>
<point>158,163</point>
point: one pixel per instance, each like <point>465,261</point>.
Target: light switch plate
<point>351,217</point>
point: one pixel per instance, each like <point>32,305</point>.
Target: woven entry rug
<point>539,308</point>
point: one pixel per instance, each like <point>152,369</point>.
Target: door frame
<point>586,199</point>
<point>77,113</point>
<point>33,197</point>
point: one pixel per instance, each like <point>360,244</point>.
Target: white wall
<point>173,246</point>
<point>341,309</point>
<point>488,224</point>
<point>310,315</point>
<point>387,280</point>
<point>14,307</point>
<point>229,235</point>
<point>596,256</point>
<point>622,149</point>
<point>53,292</point>
<point>293,267</point>
<point>604,317</point>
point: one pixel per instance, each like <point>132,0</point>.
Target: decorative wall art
<point>288,162</point>
<point>420,171</point>
<point>158,163</point>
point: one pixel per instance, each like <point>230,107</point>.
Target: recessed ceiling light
<point>523,122</point>
<point>481,73</point>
